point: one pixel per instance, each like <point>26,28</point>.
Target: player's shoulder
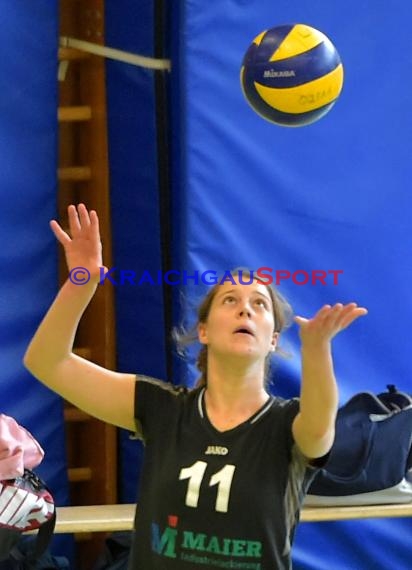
<point>285,403</point>
<point>145,382</point>
<point>285,408</point>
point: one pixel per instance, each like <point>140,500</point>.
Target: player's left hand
<point>328,322</point>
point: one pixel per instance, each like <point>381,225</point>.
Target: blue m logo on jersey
<point>165,543</point>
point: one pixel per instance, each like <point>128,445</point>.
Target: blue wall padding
<point>332,195</point>
<point>28,256</point>
<point>135,207</point>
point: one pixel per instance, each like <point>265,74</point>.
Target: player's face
<point>240,321</point>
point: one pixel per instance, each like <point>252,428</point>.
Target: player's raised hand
<point>82,247</point>
<point>328,322</point>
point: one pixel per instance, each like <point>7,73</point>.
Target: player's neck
<point>232,396</point>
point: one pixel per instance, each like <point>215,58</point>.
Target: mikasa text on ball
<point>291,75</point>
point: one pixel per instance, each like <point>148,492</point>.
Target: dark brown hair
<point>282,313</point>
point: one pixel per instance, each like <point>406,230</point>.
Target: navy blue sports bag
<point>371,459</point>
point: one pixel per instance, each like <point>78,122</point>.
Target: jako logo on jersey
<point>216,450</point>
<point>165,544</point>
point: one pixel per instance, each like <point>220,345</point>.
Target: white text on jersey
<point>216,450</point>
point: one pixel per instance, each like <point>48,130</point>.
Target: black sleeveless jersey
<point>212,499</point>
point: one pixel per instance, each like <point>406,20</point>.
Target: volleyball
<point>291,75</point>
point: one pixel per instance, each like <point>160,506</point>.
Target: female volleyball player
<point>226,464</point>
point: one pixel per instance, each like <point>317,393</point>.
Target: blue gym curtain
<point>28,254</point>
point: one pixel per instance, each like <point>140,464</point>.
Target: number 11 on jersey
<point>223,480</point>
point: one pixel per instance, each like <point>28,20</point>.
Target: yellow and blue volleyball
<point>292,75</point>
